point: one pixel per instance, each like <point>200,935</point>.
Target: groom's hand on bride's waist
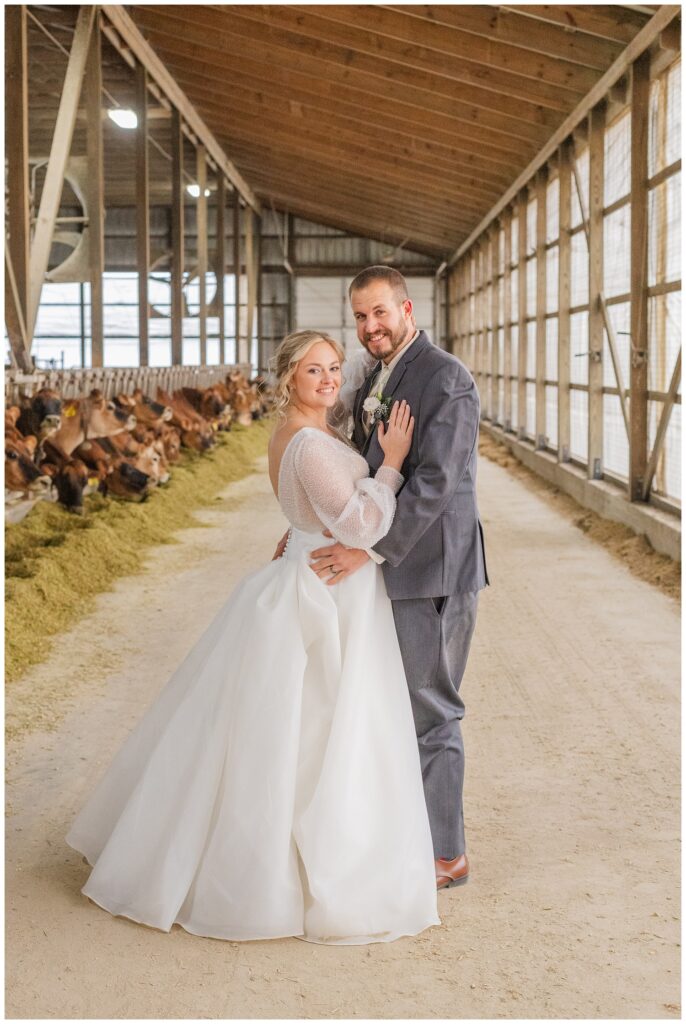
<point>335,562</point>
<point>281,546</point>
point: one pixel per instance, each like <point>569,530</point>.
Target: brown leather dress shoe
<point>451,872</point>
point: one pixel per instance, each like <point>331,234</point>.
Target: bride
<point>273,788</point>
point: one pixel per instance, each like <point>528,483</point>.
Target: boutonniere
<point>379,406</point>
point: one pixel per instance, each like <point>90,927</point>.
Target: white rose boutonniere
<point>379,406</point>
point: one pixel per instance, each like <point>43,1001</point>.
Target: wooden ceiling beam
<point>607,21</point>
<point>252,120</point>
<point>263,25</point>
<point>205,86</point>
<point>425,43</point>
<point>434,217</point>
<point>195,47</point>
<point>432,213</point>
<point>311,145</point>
<point>286,112</point>
<point>353,28</point>
<point>507,26</point>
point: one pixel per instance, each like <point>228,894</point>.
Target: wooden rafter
<point>613,22</point>
<point>223,49</point>
<point>504,64</point>
<point>285,29</point>
<point>508,26</point>
<point>398,162</point>
<point>496,144</point>
<point>356,29</point>
<point>269,105</point>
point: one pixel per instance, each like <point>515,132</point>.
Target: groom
<point>433,556</point>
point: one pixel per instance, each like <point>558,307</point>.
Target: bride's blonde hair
<point>292,349</point>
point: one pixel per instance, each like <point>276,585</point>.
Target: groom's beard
<point>393,342</point>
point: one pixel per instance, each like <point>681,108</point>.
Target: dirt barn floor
<point>572,797</point>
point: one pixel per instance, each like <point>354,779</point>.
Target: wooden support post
<point>479,321</point>
<point>201,248</point>
<point>96,191</point>
<point>177,240</point>
<point>237,270</point>
<point>479,324</point>
<point>142,213</point>
<point>521,311</point>
<point>82,324</point>
<point>658,341</point>
<point>220,262</point>
<point>595,288</point>
<point>494,317</point>
<point>59,154</point>
<point>457,321</point>
<point>17,184</point>
<point>638,381</point>
<point>250,272</point>
<point>290,222</point>
<point>564,302</point>
<point>541,282</point>
<point>262,357</point>
<point>474,311</point>
<point>507,321</point>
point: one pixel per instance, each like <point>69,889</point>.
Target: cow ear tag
<point>69,411</point>
<point>93,480</point>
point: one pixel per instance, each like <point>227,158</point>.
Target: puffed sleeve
<point>357,512</point>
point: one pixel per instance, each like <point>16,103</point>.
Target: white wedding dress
<point>274,787</point>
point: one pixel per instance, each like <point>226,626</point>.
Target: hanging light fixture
<point>123,117</point>
<point>194,190</point>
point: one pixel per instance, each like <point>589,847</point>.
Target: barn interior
<point>185,184</point>
<point>520,165</point>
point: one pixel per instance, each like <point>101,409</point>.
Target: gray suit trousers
<point>435,635</point>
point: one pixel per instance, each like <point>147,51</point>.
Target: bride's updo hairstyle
<point>292,349</point>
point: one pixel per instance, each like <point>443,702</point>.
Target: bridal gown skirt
<point>274,787</point>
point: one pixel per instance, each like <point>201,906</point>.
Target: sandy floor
<point>572,798</point>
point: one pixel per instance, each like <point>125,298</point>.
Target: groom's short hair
<point>381,273</point>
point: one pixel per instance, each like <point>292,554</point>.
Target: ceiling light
<point>124,118</point>
<point>194,190</point>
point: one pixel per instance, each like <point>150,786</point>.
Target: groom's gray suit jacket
<point>435,546</point>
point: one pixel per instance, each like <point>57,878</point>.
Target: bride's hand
<point>395,437</point>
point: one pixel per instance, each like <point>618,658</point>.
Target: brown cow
<point>41,414</point>
<point>196,432</point>
<point>84,418</point>
<point>22,475</point>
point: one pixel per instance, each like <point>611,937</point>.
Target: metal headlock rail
<point>115,380</point>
